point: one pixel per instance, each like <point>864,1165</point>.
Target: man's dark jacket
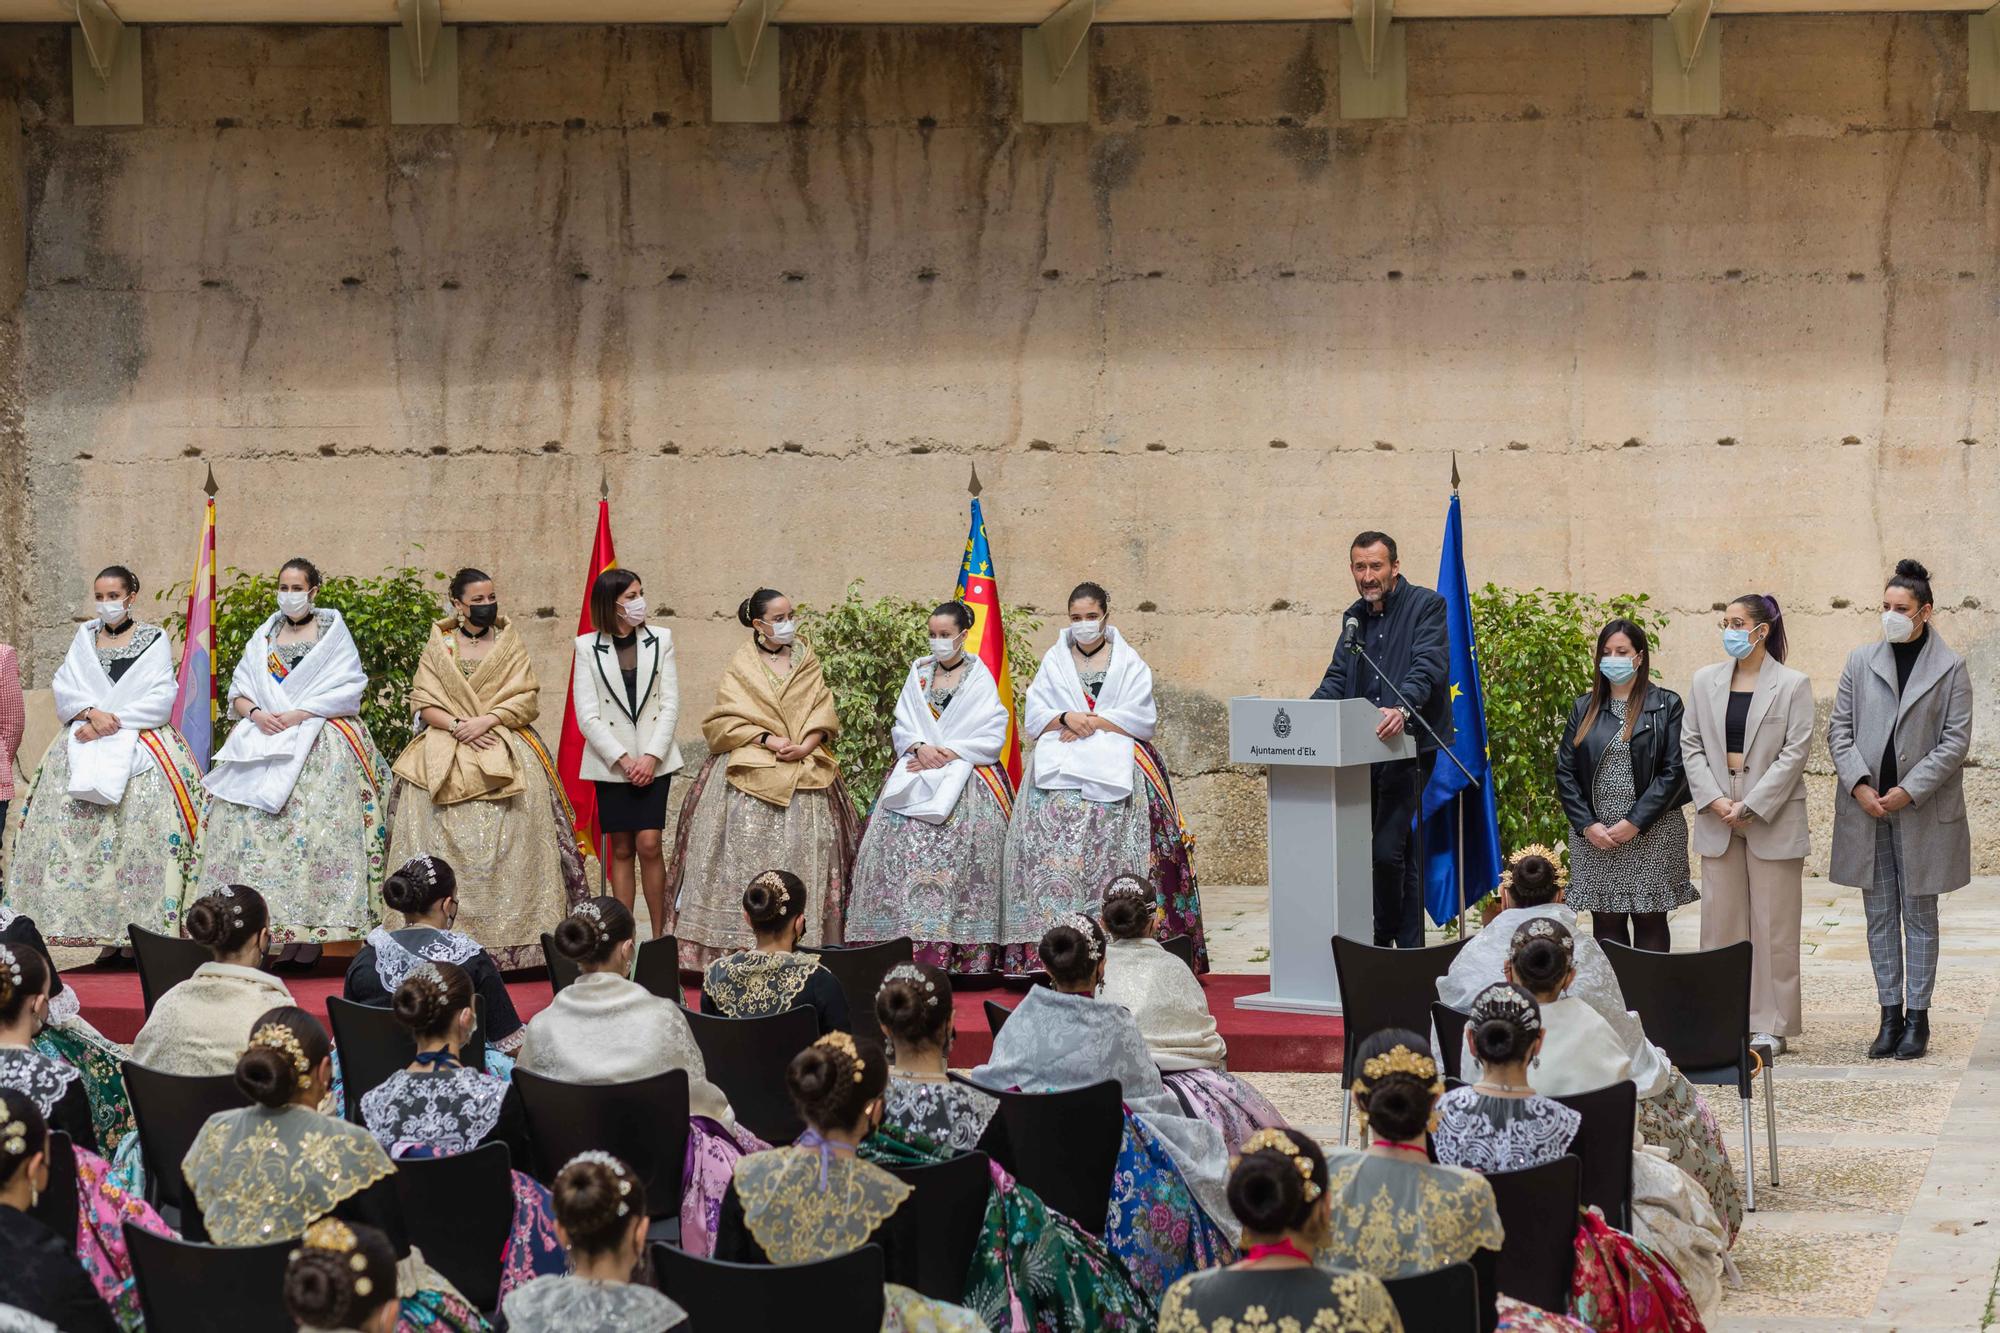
<point>1408,641</point>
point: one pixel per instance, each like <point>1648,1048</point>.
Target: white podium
<point>1321,835</point>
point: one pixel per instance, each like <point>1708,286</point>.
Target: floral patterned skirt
<point>1521,1317</point>
<point>712,1151</point>
<point>321,860</point>
<point>1620,1286</point>
<point>939,884</point>
<point>83,1048</point>
<point>1154,1225</point>
<point>906,1311</point>
<point>1225,1101</point>
<point>83,870</point>
<point>519,871</point>
<point>1064,850</point>
<point>1680,1122</point>
<point>102,1210</point>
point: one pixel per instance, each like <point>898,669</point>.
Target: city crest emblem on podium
<point>1281,725</point>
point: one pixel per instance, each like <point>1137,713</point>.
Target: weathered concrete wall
<point>1193,346</point>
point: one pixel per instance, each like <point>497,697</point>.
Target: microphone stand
<point>1416,714</point>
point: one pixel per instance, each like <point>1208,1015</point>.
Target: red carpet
<point>1259,1041</point>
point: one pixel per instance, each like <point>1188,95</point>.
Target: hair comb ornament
<point>1087,928</point>
<point>13,1136</point>
<point>842,1042</point>
<point>615,1167</point>
<point>912,973</point>
<point>589,909</point>
<point>1400,1059</point>
<point>429,979</point>
<point>1541,928</point>
<point>1506,1002</point>
<point>772,880</point>
<point>1553,855</point>
<point>227,893</point>
<point>1276,1140</point>
<point>277,1037</point>
<point>1128,887</point>
<point>10,965</point>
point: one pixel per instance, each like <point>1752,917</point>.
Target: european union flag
<point>1461,830</point>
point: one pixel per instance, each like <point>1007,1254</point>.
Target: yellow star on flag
<point>1455,693</point>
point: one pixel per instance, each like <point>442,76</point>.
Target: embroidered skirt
<point>519,871</point>
<point>1225,1101</point>
<point>321,860</point>
<point>939,884</point>
<point>102,1209</point>
<point>83,1048</point>
<point>1620,1286</point>
<point>1154,1224</point>
<point>1680,1122</point>
<point>83,870</point>
<point>712,1152</point>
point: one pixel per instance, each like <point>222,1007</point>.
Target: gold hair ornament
<point>277,1037</point>
<point>1400,1060</point>
<point>842,1042</point>
<point>1276,1140</point>
<point>334,1236</point>
<point>1553,855</point>
<point>771,879</point>
<point>13,1135</point>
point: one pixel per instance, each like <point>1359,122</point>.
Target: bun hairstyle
<point>594,929</point>
<point>23,975</point>
<point>227,919</point>
<point>123,575</point>
<point>429,998</point>
<point>340,1275</point>
<point>1275,1184</point>
<point>305,567</point>
<point>1505,1022</point>
<point>420,884</point>
<point>1542,952</point>
<point>464,579</point>
<point>286,1045</point>
<point>1072,949</point>
<point>1914,579</point>
<point>913,1006</point>
<point>1088,591</point>
<point>1128,908</point>
<point>1397,1083</point>
<point>605,590</point>
<point>1762,608</point>
<point>596,1198</point>
<point>833,1080</point>
<point>773,901</point>
<point>1534,876</point>
<point>23,1132</point>
<point>753,607</point>
<point>960,613</point>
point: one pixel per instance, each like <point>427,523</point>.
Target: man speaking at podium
<point>1400,628</point>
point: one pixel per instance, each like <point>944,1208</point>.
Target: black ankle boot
<point>1891,1033</point>
<point>1916,1035</point>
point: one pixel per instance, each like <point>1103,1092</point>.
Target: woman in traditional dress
<point>1168,1214</point>
<point>109,831</point>
<point>67,1036</point>
<point>1099,804</point>
<point>342,1278</point>
<point>436,1107</point>
<point>425,892</point>
<point>930,861</point>
<point>601,1217</point>
<point>1166,1001</point>
<point>627,721</point>
<point>605,1028</point>
<point>1278,1191</point>
<point>1397,1214</point>
<point>774,976</point>
<point>201,1025</point>
<point>41,1277</point>
<point>818,1198</point>
<point>781,801</point>
<point>270,1170</point>
<point>1059,1277</point>
<point>299,785</point>
<point>476,787</point>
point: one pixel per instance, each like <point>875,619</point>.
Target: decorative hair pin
<point>334,1236</point>
<point>1506,1002</point>
<point>1128,888</point>
<point>1276,1140</point>
<point>1541,928</point>
<point>430,871</point>
<point>427,977</point>
<point>1087,928</point>
<point>840,1041</point>
<point>588,907</point>
<point>615,1167</point>
<point>13,1136</point>
<point>771,879</point>
<point>227,893</point>
<point>912,973</point>
<point>277,1037</point>
<point>1553,855</point>
<point>1400,1060</point>
<point>10,965</point>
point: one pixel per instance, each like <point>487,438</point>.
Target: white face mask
<point>944,649</point>
<point>1083,633</point>
<point>782,632</point>
<point>1897,627</point>
<point>111,612</point>
<point>294,604</point>
<point>634,611</point>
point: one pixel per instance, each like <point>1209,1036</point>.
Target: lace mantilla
<point>584,1305</point>
<point>1394,1218</point>
<point>395,960</point>
<point>795,1220</point>
<point>142,639</point>
<point>750,984</point>
<point>35,1076</point>
<point>1501,1133</point>
<point>1248,1301</point>
<point>449,1111</point>
<point>262,1175</point>
<point>946,1115</point>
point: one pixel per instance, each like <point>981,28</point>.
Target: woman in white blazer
<point>627,701</point>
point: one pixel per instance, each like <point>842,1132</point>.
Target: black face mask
<point>483,614</point>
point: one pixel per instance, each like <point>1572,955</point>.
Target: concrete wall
<point>1192,346</point>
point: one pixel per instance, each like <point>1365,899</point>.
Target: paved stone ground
<point>1888,1214</point>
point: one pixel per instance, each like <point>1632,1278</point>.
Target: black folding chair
<point>1603,1143</point>
<point>373,1045</point>
<point>1444,1300</point>
<point>1696,1007</point>
<point>169,1111</point>
<point>929,1242</point>
<point>747,1059</point>
<point>844,1293</point>
<point>187,1287</point>
<point>1538,1209</point>
<point>1062,1145</point>
<point>57,1208</point>
<point>1449,1024</point>
<point>1382,988</point>
<point>1181,947</point>
<point>996,1016</point>
<point>644,1124</point>
<point>859,971</point>
<point>165,961</point>
<point>657,967</point>
<point>562,970</point>
<point>460,1211</point>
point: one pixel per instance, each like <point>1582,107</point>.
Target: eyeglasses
<point>1736,622</point>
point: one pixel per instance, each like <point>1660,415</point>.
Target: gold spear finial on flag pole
<point>209,486</point>
<point>603,486</point>
<point>973,486</point>
<point>1454,472</point>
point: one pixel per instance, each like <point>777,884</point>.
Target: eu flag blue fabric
<point>1461,829</point>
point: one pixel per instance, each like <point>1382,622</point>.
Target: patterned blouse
<point>117,661</point>
<point>1491,1134</point>
<point>945,1115</point>
<point>448,1111</point>
<point>291,654</point>
<point>1278,1300</point>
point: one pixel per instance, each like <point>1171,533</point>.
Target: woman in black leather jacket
<point>1618,770</point>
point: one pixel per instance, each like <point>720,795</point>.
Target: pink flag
<point>194,702</point>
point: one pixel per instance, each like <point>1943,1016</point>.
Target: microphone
<point>1350,632</point>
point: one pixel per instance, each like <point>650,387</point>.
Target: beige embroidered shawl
<point>201,1025</point>
<point>751,699</point>
<point>503,684</point>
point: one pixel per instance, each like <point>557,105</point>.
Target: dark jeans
<point>1397,788</point>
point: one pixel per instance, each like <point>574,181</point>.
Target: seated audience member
<point>1278,1191</point>
<point>200,1026</point>
<point>40,1276</point>
<point>343,1278</point>
<point>774,976</point>
<point>68,1037</point>
<point>1166,1001</point>
<point>601,1218</point>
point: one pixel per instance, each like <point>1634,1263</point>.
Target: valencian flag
<point>194,699</point>
<point>1460,826</point>
<point>979,589</point>
<point>569,754</point>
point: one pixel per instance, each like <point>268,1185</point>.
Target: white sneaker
<point>1776,1045</point>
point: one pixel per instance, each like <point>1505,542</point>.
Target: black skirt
<point>624,808</point>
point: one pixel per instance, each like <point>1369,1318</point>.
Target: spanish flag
<point>569,755</point>
<point>979,589</point>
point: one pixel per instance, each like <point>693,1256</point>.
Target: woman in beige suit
<point>627,700</point>
<point>1743,742</point>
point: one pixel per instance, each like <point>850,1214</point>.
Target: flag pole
<point>214,553</point>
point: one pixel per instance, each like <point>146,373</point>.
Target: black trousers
<point>1397,788</point>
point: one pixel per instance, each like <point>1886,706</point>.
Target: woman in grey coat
<point>1901,726</point>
